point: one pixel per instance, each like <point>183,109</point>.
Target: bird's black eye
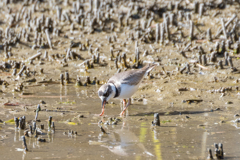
<point>106,94</point>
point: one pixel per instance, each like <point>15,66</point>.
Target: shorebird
<point>122,86</point>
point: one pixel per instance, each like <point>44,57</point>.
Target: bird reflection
<point>123,142</point>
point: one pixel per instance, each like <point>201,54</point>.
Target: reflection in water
<point>157,145</point>
<point>66,90</point>
<point>204,143</point>
<point>61,88</point>
<point>24,155</point>
<point>143,132</point>
<point>124,142</point>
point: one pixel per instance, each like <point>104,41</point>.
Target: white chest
<point>127,91</point>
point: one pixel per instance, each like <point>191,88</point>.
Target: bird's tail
<point>150,66</point>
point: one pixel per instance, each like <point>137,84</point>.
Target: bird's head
<point>105,92</point>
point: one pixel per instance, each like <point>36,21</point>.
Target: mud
<point>197,97</point>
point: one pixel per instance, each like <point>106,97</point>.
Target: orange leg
<point>102,112</point>
<point>124,102</point>
<point>125,106</point>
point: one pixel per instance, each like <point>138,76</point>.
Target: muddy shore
<point>57,53</point>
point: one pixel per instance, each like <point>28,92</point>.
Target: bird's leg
<point>124,102</point>
<point>102,112</point>
<point>129,101</point>
<point>103,105</point>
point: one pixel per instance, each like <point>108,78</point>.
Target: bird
<point>123,85</point>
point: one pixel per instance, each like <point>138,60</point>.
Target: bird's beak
<point>103,105</point>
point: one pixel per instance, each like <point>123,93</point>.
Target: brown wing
<point>132,77</point>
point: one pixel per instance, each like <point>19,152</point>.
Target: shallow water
<point>133,137</point>
<point>194,114</point>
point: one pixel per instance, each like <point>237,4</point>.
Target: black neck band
<point>117,93</point>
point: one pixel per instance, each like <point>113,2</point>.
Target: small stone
<point>41,140</point>
<point>42,102</point>
<point>81,116</point>
<point>229,102</point>
<point>222,122</point>
<point>236,115</point>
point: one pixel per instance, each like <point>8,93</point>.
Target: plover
<point>122,86</point>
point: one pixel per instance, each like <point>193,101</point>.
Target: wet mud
<point>54,56</point>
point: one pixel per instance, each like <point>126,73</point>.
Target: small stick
<point>16,122</point>
<point>200,59</point>
<point>49,123</point>
<point>35,56</point>
<point>24,143</point>
<point>23,122</point>
<point>223,28</point>
<point>209,34</point>
<point>59,13</point>
<point>213,57</point>
<point>120,20</point>
<point>30,128</point>
<point>157,34</point>
<point>48,38</point>
<point>150,22</point>
<point>230,61</point>
<point>162,33</point>
<point>124,57</point>
<point>34,126</point>
<point>191,30</point>
<point>88,80</point>
<point>188,68</point>
<point>171,19</point>
<point>45,56</point>
<point>223,48</point>
<point>167,28</point>
<point>156,121</point>
<point>38,109</point>
<point>196,4</point>
<point>187,47</point>
<point>183,69</point>
<point>102,130</point>
<point>53,127</point>
<point>98,58</point>
<point>226,58</point>
<point>220,64</point>
<point>221,153</point>
<point>210,156</point>
<point>200,11</point>
<point>116,63</point>
<point>61,79</point>
<point>36,133</point>
<point>67,77</point>
<point>226,25</point>
<point>21,71</point>
<point>236,48</point>
<point>217,153</point>
<point>137,55</point>
<point>26,133</point>
<point>111,52</point>
<point>42,126</point>
<point>228,44</point>
<point>20,123</point>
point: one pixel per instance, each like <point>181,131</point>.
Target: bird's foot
<point>102,112</point>
<point>122,113</point>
